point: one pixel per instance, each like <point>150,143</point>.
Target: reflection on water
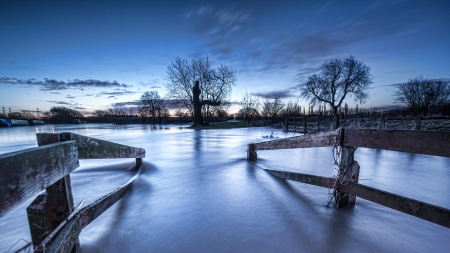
<point>197,193</point>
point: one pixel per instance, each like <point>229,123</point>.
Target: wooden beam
<point>327,182</point>
<point>27,172</point>
<point>52,207</point>
<point>419,142</point>
<point>92,148</point>
<point>95,209</point>
<point>422,210</point>
<point>322,139</point>
<point>67,237</point>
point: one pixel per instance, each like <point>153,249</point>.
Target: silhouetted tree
<point>338,79</point>
<point>64,114</point>
<point>215,85</point>
<point>421,95</point>
<point>101,113</point>
<point>249,107</point>
<point>151,104</point>
<point>292,109</point>
<point>272,107</point>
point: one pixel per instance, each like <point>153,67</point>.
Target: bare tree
<point>249,107</point>
<point>215,85</point>
<point>64,114</point>
<point>272,107</point>
<point>422,95</point>
<point>338,79</point>
<point>292,109</point>
<point>151,104</point>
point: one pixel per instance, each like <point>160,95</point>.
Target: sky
<point>90,55</point>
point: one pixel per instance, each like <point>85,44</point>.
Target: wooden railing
<point>54,222</point>
<point>317,123</point>
<point>345,184</point>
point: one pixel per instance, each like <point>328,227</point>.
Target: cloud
<point>220,26</point>
<point>52,84</point>
<point>395,85</point>
<point>70,97</point>
<point>54,92</point>
<point>59,102</point>
<point>282,94</point>
<point>124,104</point>
<point>115,93</point>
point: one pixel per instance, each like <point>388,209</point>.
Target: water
<point>197,193</point>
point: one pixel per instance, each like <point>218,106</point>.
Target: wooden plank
<point>27,172</point>
<point>422,210</point>
<point>327,182</point>
<point>67,237</point>
<point>92,148</point>
<point>95,209</point>
<point>52,207</point>
<point>62,242</point>
<point>322,139</point>
<point>419,142</point>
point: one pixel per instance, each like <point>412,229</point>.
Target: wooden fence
<point>54,222</point>
<point>317,123</point>
<point>345,184</point>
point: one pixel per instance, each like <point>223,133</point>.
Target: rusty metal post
<point>251,152</point>
<point>348,172</point>
<point>49,209</point>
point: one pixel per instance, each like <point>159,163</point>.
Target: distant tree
<point>64,114</point>
<point>101,113</point>
<point>4,112</point>
<point>151,104</point>
<point>338,79</point>
<point>15,115</point>
<point>292,109</point>
<point>249,107</point>
<point>422,95</point>
<point>272,107</point>
<point>215,85</point>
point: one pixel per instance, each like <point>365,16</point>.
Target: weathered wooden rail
<point>316,123</point>
<point>54,222</point>
<point>345,185</point>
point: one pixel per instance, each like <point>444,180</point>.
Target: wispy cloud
<point>124,104</point>
<point>52,84</point>
<point>219,25</point>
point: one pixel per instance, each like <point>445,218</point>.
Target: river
<point>197,193</point>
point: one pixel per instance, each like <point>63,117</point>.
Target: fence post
<point>318,123</point>
<point>251,152</point>
<point>304,125</point>
<point>286,127</point>
<point>348,172</point>
<point>418,123</point>
<point>49,209</point>
<point>295,124</point>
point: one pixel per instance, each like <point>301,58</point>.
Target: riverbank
<point>222,125</point>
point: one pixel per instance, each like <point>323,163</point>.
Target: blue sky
<point>91,55</point>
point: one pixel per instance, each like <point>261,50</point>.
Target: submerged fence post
<point>348,172</point>
<point>49,209</point>
<point>251,152</point>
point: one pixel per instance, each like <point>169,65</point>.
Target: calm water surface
<point>197,193</point>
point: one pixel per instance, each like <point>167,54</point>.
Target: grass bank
<point>222,125</point>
